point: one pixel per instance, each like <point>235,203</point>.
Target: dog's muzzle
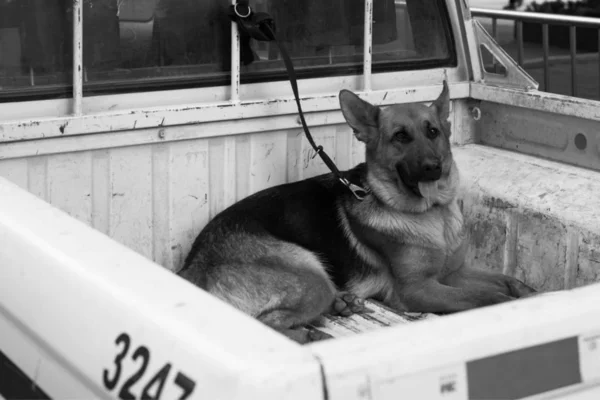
<point>431,170</point>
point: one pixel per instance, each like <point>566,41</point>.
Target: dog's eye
<point>402,136</point>
<point>433,132</point>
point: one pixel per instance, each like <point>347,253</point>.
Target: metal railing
<point>573,22</point>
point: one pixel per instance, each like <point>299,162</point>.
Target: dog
<point>290,253</point>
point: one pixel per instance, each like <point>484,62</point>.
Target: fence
<point>546,20</point>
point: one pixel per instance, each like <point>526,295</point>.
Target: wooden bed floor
<point>378,316</point>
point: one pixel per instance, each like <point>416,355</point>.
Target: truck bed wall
<point>155,198</point>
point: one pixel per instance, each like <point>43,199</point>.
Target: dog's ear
<point>361,116</point>
<point>442,103</point>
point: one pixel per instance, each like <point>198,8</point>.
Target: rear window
<point>142,45</point>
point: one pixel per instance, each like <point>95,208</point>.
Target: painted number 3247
<point>153,387</point>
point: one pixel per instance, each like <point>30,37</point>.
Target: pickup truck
<point>99,207</point>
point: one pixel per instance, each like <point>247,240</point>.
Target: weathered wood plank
<point>378,316</point>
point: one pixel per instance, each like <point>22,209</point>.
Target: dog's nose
<point>431,170</point>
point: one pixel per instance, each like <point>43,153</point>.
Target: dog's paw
<point>304,335</point>
<point>346,304</point>
<point>519,289</point>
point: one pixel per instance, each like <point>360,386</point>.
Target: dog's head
<point>408,151</point>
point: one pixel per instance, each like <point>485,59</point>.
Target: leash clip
<point>317,151</point>
<point>358,192</point>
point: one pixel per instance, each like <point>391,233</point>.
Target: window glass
<point>156,44</point>
<point>141,45</point>
<point>325,37</point>
<point>35,49</point>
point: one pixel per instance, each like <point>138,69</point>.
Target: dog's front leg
<point>418,286</point>
<point>493,281</point>
<point>431,296</point>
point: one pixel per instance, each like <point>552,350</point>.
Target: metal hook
<point>235,8</point>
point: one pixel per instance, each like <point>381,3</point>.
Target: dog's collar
<point>359,192</point>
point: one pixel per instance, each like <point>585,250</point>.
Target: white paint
<point>411,353</point>
<point>69,178</point>
<point>267,166</point>
<point>310,163</point>
<point>471,46</point>
<point>462,124</point>
<point>510,245</point>
<point>536,100</point>
<point>16,171</point>
<point>457,16</point>
<point>77,57</point>
<point>101,178</point>
<point>24,348</point>
<point>162,212</point>
<point>164,204</point>
<point>589,393</point>
<point>190,197</point>
<point>368,45</point>
<point>553,189</point>
<point>156,198</point>
<point>130,198</point>
<point>426,385</point>
<point>589,354</point>
<point>385,81</point>
<point>235,61</point>
<point>37,173</point>
<point>57,272</point>
<point>169,99</point>
<point>243,159</point>
<point>571,258</point>
<point>344,139</point>
<point>270,107</point>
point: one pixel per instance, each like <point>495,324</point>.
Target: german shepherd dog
<point>290,253</point>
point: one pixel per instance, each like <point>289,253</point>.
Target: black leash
<point>261,26</point>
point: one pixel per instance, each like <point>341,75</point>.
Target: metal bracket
<point>515,76</point>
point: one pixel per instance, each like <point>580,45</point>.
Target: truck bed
<point>378,316</point>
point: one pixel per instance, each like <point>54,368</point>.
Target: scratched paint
<point>539,133</point>
<point>368,45</point>
<point>77,59</point>
<point>554,213</point>
<point>487,234</point>
<point>235,62</point>
<point>251,111</point>
<point>156,198</point>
